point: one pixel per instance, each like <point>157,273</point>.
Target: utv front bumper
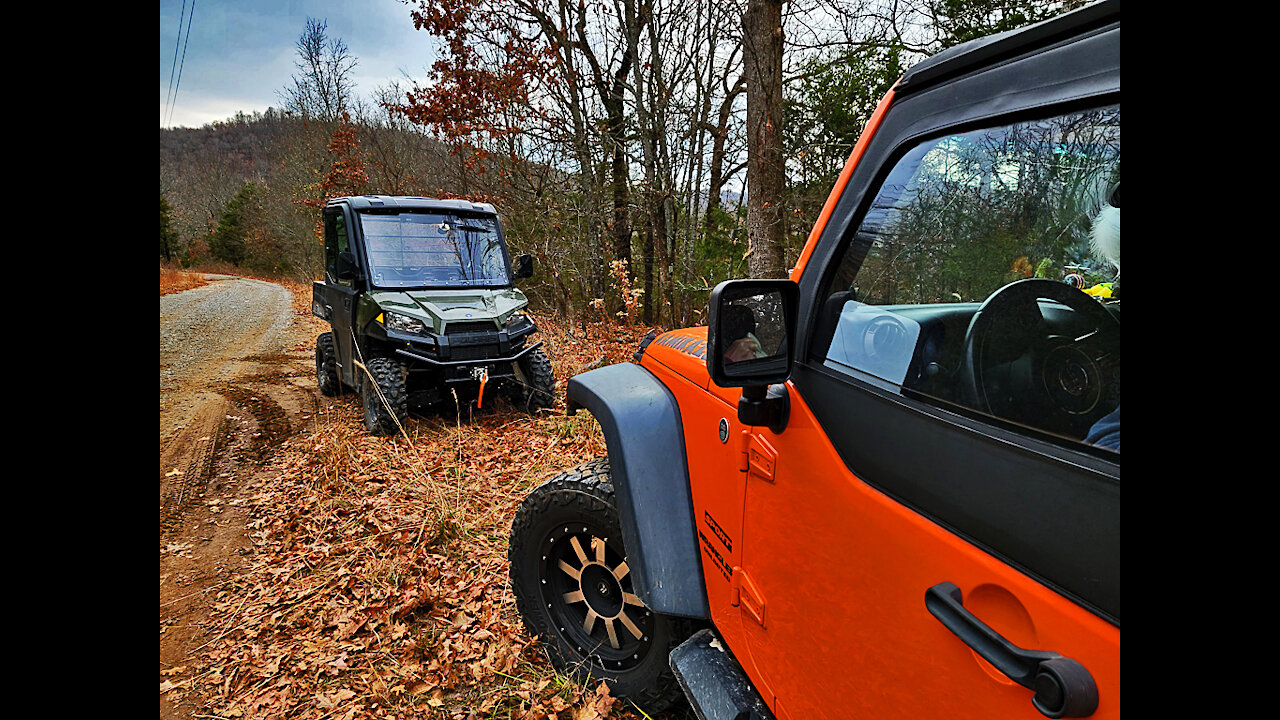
<point>478,360</point>
<point>464,344</point>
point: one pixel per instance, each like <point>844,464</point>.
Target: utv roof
<point>367,202</point>
<point>997,48</point>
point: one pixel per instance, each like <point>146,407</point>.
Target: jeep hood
<point>684,352</point>
<point>440,307</point>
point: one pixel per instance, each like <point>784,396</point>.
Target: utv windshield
<point>416,249</point>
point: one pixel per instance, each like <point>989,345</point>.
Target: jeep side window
<point>924,300</point>
<point>335,241</point>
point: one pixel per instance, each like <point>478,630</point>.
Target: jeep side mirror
<point>524,266</point>
<point>750,341</point>
<point>347,268</point>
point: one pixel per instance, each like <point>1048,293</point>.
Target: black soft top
<point>404,202</point>
<point>996,48</point>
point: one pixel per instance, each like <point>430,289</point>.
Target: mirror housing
<point>750,344</point>
<point>524,266</point>
<point>347,268</point>
<point>768,332</point>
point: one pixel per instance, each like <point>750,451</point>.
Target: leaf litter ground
<point>377,584</point>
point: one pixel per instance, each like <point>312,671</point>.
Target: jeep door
<point>340,294</point>
<point>906,473</point>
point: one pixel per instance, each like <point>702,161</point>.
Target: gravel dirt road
<point>236,382</point>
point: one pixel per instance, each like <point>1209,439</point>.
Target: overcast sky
<point>240,53</point>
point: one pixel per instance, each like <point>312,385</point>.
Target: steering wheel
<point>1013,367</point>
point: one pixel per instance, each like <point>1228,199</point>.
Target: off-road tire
<point>327,366</point>
<point>540,391</point>
<point>389,376</point>
<point>579,503</point>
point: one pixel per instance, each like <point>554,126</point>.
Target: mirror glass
<point>753,333</point>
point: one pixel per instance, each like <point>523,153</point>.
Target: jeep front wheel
<point>382,393</point>
<point>574,589</point>
<point>327,365</point>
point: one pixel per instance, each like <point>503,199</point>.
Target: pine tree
<point>169,237</point>
<point>228,241</point>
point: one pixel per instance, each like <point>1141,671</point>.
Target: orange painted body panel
<point>838,572</point>
<point>843,570</point>
<point>684,352</point>
<point>816,580</point>
<point>717,487</point>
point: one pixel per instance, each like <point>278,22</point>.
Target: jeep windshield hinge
<point>743,594</point>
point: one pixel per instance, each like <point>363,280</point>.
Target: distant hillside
<point>247,143</point>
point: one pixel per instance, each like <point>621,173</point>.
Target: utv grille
<point>480,337</point>
<point>471,328</point>
<point>473,341</point>
<point>474,352</point>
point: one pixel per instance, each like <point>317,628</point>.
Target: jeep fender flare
<point>641,423</point>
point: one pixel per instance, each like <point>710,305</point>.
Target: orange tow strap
<point>484,378</point>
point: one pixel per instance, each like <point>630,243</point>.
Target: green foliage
<point>832,103</point>
<point>718,254</point>
<point>823,118</point>
<point>229,240</point>
<point>959,21</point>
<point>169,238</point>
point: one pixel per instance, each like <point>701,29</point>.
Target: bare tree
<point>322,87</point>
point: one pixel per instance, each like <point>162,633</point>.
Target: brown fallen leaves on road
<point>378,583</point>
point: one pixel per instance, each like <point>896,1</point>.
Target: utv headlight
<point>404,323</point>
<point>517,320</point>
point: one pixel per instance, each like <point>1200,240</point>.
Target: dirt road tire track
<point>237,380</point>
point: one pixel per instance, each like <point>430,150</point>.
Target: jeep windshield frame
<point>433,249</point>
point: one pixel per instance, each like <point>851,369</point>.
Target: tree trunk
<point>762,69</point>
<point>615,137</point>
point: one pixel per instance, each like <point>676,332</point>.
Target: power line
<point>184,59</point>
<point>174,65</point>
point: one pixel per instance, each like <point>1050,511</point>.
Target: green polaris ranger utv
<point>418,293</point>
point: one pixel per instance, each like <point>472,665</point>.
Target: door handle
<point>1063,687</point>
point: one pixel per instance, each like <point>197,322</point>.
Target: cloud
<point>241,53</point>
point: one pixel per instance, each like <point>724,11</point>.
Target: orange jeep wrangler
<point>888,486</point>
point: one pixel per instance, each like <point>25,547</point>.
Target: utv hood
<point>441,307</point>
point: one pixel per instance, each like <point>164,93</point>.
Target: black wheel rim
<point>586,586</point>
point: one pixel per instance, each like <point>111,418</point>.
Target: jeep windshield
<point>419,249</point>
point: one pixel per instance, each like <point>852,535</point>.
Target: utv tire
<point>383,395</point>
<point>327,366</point>
<point>539,391</point>
<point>573,590</point>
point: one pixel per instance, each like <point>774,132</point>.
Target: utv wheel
<point>539,391</point>
<point>574,590</point>
<point>327,366</point>
<point>382,392</point>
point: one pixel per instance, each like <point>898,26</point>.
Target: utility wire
<point>184,59</point>
<point>174,65</point>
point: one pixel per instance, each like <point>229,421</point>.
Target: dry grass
<point>173,280</point>
<point>378,583</point>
